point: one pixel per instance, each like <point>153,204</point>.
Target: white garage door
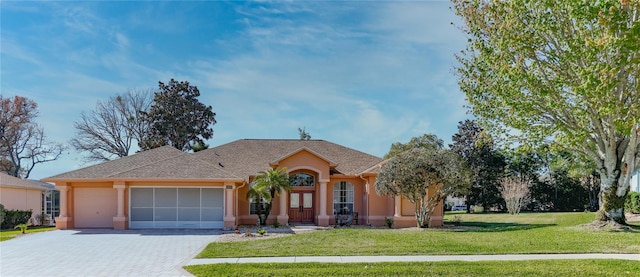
<point>189,208</point>
<point>95,207</point>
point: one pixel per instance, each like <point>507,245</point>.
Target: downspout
<point>244,183</point>
<point>366,194</point>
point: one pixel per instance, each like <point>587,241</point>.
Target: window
<point>253,204</point>
<point>302,180</point>
<point>343,198</point>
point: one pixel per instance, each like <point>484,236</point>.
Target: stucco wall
<point>21,199</point>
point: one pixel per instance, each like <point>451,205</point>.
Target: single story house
<point>20,194</point>
<point>167,188</point>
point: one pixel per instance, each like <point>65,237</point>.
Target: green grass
<point>9,234</point>
<point>487,268</point>
<point>485,234</point>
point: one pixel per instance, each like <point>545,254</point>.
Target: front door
<point>301,206</point>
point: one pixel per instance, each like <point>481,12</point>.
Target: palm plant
<point>266,186</point>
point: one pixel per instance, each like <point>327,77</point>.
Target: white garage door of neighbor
<point>189,208</point>
<point>95,207</point>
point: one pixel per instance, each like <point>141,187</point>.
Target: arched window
<point>302,180</point>
<point>343,198</point>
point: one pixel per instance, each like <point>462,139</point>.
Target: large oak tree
<point>178,118</point>
<point>565,70</point>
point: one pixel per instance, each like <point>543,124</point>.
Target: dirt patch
<point>244,237</point>
<point>607,226</point>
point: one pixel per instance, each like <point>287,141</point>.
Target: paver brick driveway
<point>103,252</point>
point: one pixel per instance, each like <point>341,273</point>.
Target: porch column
<point>229,217</point>
<point>398,206</point>
<point>120,220</point>
<point>63,221</point>
<point>283,217</point>
<point>323,218</point>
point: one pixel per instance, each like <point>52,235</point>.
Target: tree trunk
<point>612,206</point>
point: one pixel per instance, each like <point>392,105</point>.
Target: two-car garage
<point>173,207</point>
<point>152,207</point>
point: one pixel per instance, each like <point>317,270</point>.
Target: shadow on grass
<point>500,226</point>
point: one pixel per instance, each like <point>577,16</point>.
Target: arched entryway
<point>302,197</point>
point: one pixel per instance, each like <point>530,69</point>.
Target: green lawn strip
<point>484,234</point>
<point>485,268</point>
<point>9,234</point>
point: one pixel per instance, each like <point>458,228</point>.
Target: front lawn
<point>487,268</point>
<point>9,234</point>
<point>481,234</point>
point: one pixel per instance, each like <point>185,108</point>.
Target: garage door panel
<point>212,214</point>
<point>141,197</point>
<point>142,214</point>
<point>95,207</point>
<point>211,197</point>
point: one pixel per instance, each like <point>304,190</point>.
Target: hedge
<point>632,203</point>
<point>14,217</point>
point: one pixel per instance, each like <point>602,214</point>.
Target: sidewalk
<point>375,259</point>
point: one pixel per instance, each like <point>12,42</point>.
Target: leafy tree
<point>266,186</point>
<point>424,141</point>
<point>110,130</point>
<point>424,176</point>
<point>177,118</point>
<point>23,144</point>
<point>567,70</point>
<point>486,164</point>
<point>303,134</point>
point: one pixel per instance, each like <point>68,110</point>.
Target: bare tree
<point>515,192</point>
<point>23,144</point>
<point>113,127</point>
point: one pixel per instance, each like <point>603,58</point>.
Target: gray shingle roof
<point>247,157</point>
<point>7,180</point>
<point>163,163</point>
<point>235,160</point>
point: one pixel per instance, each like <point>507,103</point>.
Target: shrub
<point>389,221</point>
<point>456,220</point>
<point>276,224</point>
<point>632,202</point>
<point>22,227</point>
<point>261,232</point>
<point>2,214</point>
<point>15,217</point>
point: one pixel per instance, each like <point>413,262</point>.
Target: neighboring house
<point>20,194</point>
<point>635,181</point>
<point>167,188</point>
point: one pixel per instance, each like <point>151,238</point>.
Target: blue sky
<point>363,74</point>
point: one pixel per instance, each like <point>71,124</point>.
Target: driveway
<point>103,252</point>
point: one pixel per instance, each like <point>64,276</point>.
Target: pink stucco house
<point>20,194</point>
<point>167,188</point>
